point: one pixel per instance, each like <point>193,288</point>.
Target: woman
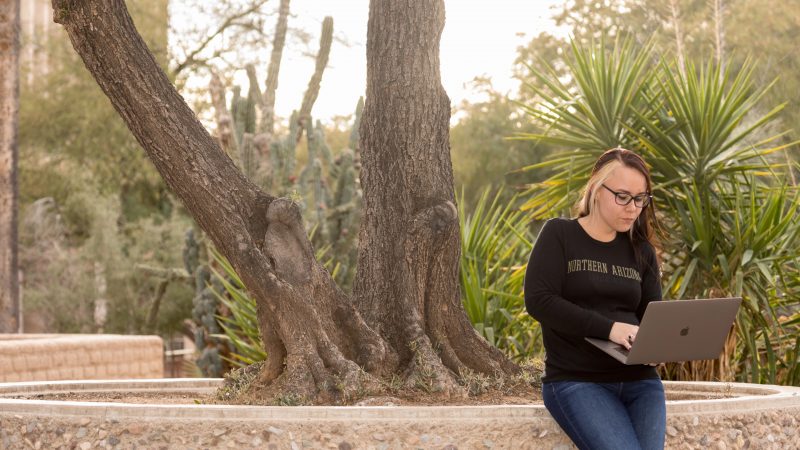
<point>593,277</point>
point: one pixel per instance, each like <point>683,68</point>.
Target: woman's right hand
<point>623,334</point>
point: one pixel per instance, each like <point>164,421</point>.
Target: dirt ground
<point>520,395</point>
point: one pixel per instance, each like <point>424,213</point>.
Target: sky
<point>480,38</point>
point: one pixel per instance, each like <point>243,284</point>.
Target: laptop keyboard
<point>622,350</point>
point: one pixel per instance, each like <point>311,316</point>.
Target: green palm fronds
<point>494,240</point>
<point>589,113</point>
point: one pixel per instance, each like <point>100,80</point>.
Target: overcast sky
<point>480,38</point>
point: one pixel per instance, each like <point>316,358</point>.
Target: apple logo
<point>685,331</point>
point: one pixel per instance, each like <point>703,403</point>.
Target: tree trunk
<point>409,243</point>
<point>9,108</point>
<point>315,338</point>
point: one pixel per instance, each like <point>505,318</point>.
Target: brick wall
<point>50,357</point>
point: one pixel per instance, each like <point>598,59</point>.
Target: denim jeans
<point>624,415</point>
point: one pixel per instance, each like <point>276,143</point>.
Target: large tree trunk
<point>316,339</point>
<point>409,244</point>
<point>9,107</point>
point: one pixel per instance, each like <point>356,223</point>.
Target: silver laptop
<point>677,330</point>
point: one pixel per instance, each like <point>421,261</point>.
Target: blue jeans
<point>625,415</point>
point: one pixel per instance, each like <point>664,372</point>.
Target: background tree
<point>406,313</point>
<point>482,153</point>
<point>92,199</point>
<point>9,109</point>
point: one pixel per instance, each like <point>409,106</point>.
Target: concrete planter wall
<point>79,357</point>
<point>754,416</point>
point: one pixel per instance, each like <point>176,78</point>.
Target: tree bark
<point>409,243</point>
<point>316,339</point>
<point>9,109</point>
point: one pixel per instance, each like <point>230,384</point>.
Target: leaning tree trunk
<point>316,339</point>
<point>9,106</point>
<point>409,244</point>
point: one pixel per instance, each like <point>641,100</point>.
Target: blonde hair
<point>588,200</point>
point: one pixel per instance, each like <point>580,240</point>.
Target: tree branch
<point>227,23</point>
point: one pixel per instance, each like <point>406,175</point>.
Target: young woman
<point>593,276</point>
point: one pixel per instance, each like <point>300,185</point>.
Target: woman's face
<point>622,180</point>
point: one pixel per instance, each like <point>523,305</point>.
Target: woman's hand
<point>623,334</point>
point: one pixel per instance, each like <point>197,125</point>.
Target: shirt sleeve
<point>651,281</point>
<point>544,278</point>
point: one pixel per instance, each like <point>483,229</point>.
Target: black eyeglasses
<point>624,199</point>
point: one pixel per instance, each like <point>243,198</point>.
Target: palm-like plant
<point>494,240</point>
<point>589,113</point>
<point>731,224</point>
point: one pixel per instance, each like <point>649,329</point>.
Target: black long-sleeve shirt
<point>576,287</point>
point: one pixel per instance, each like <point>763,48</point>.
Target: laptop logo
<point>685,331</point>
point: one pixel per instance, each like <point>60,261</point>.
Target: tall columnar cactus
<point>225,128</point>
<point>243,110</point>
<point>205,308</point>
<point>325,40</point>
<point>354,133</point>
<point>205,312</point>
<point>284,159</point>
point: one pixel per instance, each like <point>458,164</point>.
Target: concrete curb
<point>758,416</point>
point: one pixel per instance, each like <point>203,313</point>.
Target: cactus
<point>204,312</point>
<point>313,85</point>
<point>355,133</point>
<point>226,132</point>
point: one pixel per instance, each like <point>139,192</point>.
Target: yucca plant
<point>587,114</point>
<point>495,241</point>
<point>732,227</point>
<point>241,326</point>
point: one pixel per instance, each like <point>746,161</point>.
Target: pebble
<point>672,431</point>
<point>543,434</point>
<point>81,433</point>
<point>219,432</point>
<point>85,421</point>
<point>275,431</point>
<point>85,445</point>
<point>113,440</point>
